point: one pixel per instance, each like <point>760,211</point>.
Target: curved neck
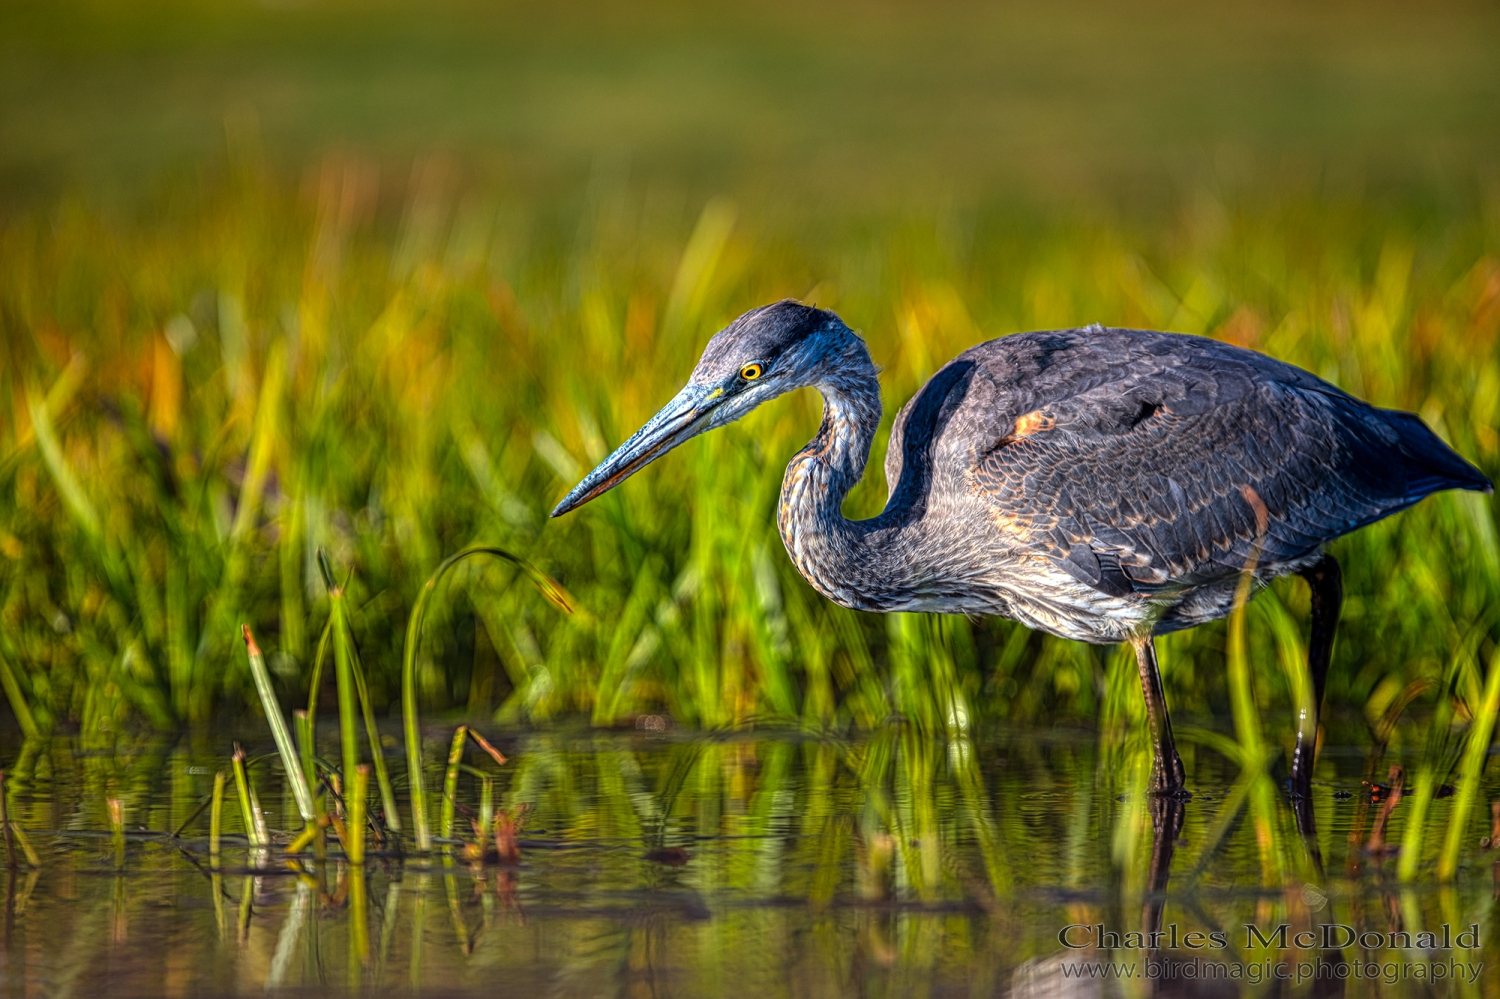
<point>829,550</point>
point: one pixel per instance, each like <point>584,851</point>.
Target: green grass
<point>284,355</point>
<point>333,389</point>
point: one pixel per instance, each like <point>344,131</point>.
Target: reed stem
<point>25,844</point>
<point>307,751</point>
<point>216,819</point>
<point>1413,835</point>
<point>116,809</point>
<point>359,792</point>
<point>450,784</point>
<point>290,761</point>
<point>242,787</point>
<point>486,815</point>
<point>10,848</point>
<point>304,839</point>
<point>316,682</point>
<point>343,664</point>
<point>377,754</point>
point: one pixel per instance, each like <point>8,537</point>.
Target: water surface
<point>668,864</point>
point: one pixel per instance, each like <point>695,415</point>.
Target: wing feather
<point>1167,461</point>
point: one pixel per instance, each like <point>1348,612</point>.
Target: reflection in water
<point>894,865</point>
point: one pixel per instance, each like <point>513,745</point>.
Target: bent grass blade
<point>549,588</point>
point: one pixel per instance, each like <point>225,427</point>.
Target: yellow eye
<point>750,372</point>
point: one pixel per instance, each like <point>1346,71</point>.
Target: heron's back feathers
<point>1143,463</point>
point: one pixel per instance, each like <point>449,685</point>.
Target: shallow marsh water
<point>669,864</point>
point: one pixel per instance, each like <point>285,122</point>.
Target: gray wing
<point>1142,461</point>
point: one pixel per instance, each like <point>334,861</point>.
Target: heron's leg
<point>1326,581</point>
<point>1166,823</point>
<point>1167,774</point>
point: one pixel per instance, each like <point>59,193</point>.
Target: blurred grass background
<point>384,279</point>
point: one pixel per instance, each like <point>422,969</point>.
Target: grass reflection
<point>900,863</point>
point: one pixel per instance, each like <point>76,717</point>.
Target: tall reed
<point>343,663</point>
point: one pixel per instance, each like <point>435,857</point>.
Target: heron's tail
<point>1431,466</point>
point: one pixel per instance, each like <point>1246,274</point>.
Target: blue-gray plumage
<point>1099,484</point>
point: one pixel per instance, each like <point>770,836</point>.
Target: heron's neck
<point>829,550</point>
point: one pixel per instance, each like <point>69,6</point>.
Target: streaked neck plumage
<point>832,552</point>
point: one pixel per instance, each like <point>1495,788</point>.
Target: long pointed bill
<point>682,418</point>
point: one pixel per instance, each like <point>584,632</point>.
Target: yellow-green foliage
<point>200,396</point>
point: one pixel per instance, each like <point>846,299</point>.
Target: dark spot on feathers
<point>1147,410</point>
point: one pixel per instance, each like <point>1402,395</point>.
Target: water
<point>673,865</point>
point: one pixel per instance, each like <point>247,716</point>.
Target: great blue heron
<point>1104,485</point>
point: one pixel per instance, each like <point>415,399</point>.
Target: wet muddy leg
<point>1167,775</point>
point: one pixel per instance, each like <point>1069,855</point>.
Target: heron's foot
<point>1167,812</point>
<point>1168,776</point>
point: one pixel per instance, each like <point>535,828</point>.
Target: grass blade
<point>1247,731</point>
<point>116,809</point>
<point>484,744</point>
<point>1437,759</point>
<point>349,672</point>
<point>412,728</point>
<point>307,750</point>
<point>31,855</point>
<point>289,759</point>
<point>317,674</point>
<point>343,666</point>
<point>17,700</point>
<point>359,794</point>
<point>450,782</point>
<point>372,733</point>
<point>1414,832</point>
<point>216,819</point>
<point>242,787</point>
<point>1476,754</point>
<point>73,496</point>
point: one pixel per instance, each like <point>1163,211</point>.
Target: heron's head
<point>765,352</point>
